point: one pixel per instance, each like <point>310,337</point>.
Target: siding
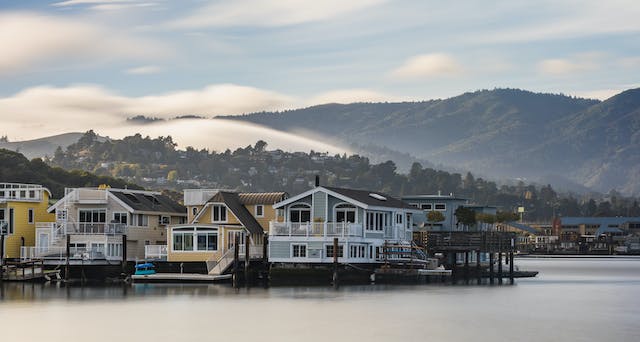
<point>22,227</point>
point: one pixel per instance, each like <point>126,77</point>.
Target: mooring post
<point>511,274</point>
<point>247,261</point>
<point>124,253</point>
<point>1,256</point>
<point>466,266</point>
<point>236,256</point>
<point>478,274</point>
<point>66,267</point>
<point>500,267</point>
<point>335,262</point>
<point>491,260</point>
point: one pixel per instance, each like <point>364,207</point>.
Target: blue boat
<point>145,269</point>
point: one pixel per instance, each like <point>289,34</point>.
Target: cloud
<point>265,13</point>
<point>427,66</point>
<point>351,96</point>
<point>566,66</point>
<point>44,111</point>
<point>144,70</point>
<point>30,40</point>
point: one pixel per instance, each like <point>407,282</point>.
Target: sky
<point>79,64</point>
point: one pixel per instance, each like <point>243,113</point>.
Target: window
<point>32,194</point>
<point>207,241</point>
<point>30,216</point>
<point>114,250</point>
<point>427,206</point>
<point>376,221</point>
<point>164,220</point>
<point>120,218</point>
<point>23,194</point>
<point>231,238</point>
<point>2,218</point>
<point>357,251</point>
<point>183,241</point>
<point>408,221</point>
<point>219,213</point>
<point>399,218</point>
<point>259,210</point>
<point>345,213</point>
<point>194,211</point>
<point>93,215</point>
<point>329,251</point>
<point>140,220</point>
<point>298,251</point>
<point>299,213</point>
<point>441,206</point>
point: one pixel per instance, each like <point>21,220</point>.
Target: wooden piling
<point>236,256</point>
<point>511,273</point>
<point>466,266</point>
<point>124,253</point>
<point>1,256</point>
<point>247,261</point>
<point>335,262</point>
<point>500,267</point>
<point>491,260</point>
<point>68,249</point>
<point>478,273</point>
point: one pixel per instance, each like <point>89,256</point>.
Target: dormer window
<point>218,213</point>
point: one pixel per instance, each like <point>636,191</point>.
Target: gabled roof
<point>363,198</point>
<point>148,202</point>
<point>233,202</point>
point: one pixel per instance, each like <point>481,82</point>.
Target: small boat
<point>145,269</point>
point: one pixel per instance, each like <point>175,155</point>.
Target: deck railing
<point>155,252</point>
<point>84,228</point>
<point>60,253</point>
<point>315,229</point>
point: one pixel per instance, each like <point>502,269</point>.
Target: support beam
<point>500,267</point>
<point>511,273</point>
<point>66,268</point>
<point>478,273</point>
<point>335,262</point>
<point>236,257</point>
<point>466,266</point>
<point>124,253</point>
<point>247,260</point>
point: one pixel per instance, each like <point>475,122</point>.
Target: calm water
<point>571,300</point>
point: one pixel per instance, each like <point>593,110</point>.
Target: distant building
<point>446,204</point>
<point>21,206</point>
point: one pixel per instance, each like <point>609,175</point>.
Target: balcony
<point>60,253</point>
<point>21,192</point>
<point>87,195</point>
<point>83,228</point>
<point>315,229</point>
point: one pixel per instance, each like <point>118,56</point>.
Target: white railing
<point>60,253</point>
<point>83,228</point>
<point>23,192</point>
<point>89,195</point>
<point>155,251</point>
<point>318,229</point>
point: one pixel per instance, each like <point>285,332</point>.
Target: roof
<point>523,227</point>
<point>364,196</point>
<point>148,201</point>
<point>234,203</point>
<point>433,198</point>
<point>251,198</point>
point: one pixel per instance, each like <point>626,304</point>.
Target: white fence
<point>60,253</point>
<point>315,229</point>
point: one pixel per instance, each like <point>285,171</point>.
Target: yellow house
<point>215,223</point>
<point>21,206</point>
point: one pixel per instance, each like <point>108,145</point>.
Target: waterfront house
<point>97,220</point>
<point>364,222</point>
<point>21,206</point>
<point>216,220</point>
<point>446,204</point>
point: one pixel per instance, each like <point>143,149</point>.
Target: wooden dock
<point>28,271</point>
<point>180,278</point>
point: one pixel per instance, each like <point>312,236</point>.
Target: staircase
<point>218,267</point>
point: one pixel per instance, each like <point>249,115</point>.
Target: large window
<point>192,239</point>
<point>218,213</point>
<point>357,251</point>
<point>183,241</point>
<point>376,221</point>
<point>299,213</point>
<point>329,251</point>
<point>231,238</point>
<point>298,251</point>
<point>92,216</point>
<point>345,213</point>
<point>114,250</point>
